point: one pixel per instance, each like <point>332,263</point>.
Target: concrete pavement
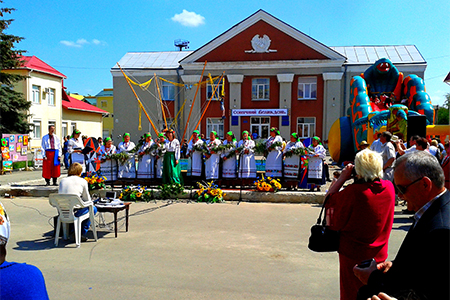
<point>179,250</point>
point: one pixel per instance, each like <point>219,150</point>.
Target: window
<point>36,129</point>
<point>73,126</point>
<point>51,97</point>
<point>307,88</point>
<point>36,94</point>
<point>306,127</point>
<point>210,89</point>
<point>104,103</point>
<point>168,91</point>
<point>260,126</point>
<point>214,125</point>
<point>64,129</point>
<point>260,89</point>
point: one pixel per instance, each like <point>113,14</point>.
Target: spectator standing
<point>51,146</point>
<point>363,212</point>
<point>387,151</point>
<point>446,165</point>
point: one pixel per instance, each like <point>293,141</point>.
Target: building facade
<point>271,74</point>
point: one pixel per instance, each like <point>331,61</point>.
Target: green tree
<point>13,106</point>
<point>443,112</point>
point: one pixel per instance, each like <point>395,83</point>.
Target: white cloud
<point>70,44</point>
<point>81,42</point>
<point>190,19</point>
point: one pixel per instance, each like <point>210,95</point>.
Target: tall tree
<point>13,106</point>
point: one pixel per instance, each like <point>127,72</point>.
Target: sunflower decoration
<point>209,192</point>
<point>95,180</point>
<point>136,193</point>
<point>268,184</point>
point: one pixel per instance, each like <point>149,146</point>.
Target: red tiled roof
<point>74,104</point>
<point>34,63</point>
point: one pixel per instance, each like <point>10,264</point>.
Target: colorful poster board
<point>14,147</point>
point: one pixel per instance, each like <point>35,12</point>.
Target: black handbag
<point>322,238</point>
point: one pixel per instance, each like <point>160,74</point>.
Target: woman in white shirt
<point>316,175</point>
<point>229,162</point>
<point>212,157</point>
<point>159,154</point>
<point>196,157</point>
<point>247,162</point>
<point>146,163</point>
<point>75,148</point>
<point>108,167</point>
<point>172,168</point>
<point>127,169</point>
<point>275,157</point>
<point>292,161</point>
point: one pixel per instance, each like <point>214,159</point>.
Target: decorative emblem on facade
<point>260,45</point>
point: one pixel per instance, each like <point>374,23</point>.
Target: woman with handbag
<point>363,213</point>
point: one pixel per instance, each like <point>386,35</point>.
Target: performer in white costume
<point>275,157</point>
<point>229,163</point>
<point>51,146</point>
<point>292,163</point>
<point>196,157</point>
<point>212,157</point>
<point>247,162</point>
<point>128,168</point>
<point>146,162</point>
<point>108,167</point>
<point>75,148</point>
<point>159,154</point>
<point>316,175</point>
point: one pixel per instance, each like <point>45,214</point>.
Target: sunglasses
<point>401,189</point>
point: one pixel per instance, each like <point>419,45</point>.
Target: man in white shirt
<point>75,185</point>
<point>387,151</point>
<point>412,142</point>
<point>51,167</point>
<point>376,144</point>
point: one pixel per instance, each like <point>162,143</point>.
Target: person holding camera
<point>363,212</point>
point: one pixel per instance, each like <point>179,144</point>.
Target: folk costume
<point>172,170</point>
<point>247,162</point>
<point>76,144</point>
<point>316,173</point>
<point>128,168</point>
<point>108,166</point>
<point>146,162</point>
<point>275,157</point>
<point>196,157</point>
<point>293,162</point>
<point>159,155</point>
<point>229,164</point>
<point>212,163</point>
<point>51,166</point>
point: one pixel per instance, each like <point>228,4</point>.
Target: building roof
<point>105,93</point>
<point>76,96</point>
<point>35,64</point>
<point>71,103</point>
<point>399,54</point>
<point>447,79</point>
<point>152,60</point>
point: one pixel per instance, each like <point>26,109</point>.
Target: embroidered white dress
<point>229,165</point>
<point>195,158</point>
<point>146,162</point>
<point>212,163</point>
<point>274,158</point>
<point>108,167</point>
<point>247,162</point>
<point>128,168</point>
<point>76,144</point>
<point>160,151</point>
<point>315,166</point>
<point>292,163</point>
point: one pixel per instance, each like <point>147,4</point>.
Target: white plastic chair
<point>65,204</point>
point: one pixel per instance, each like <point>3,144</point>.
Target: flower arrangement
<point>148,150</point>
<point>136,193</point>
<point>268,184</point>
<point>298,151</point>
<point>95,180</point>
<point>200,148</point>
<point>171,190</point>
<point>209,192</point>
<point>122,157</point>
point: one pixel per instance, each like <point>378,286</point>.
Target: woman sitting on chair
<point>75,185</point>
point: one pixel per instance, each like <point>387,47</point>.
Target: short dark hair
<point>387,135</point>
<point>415,137</point>
<point>50,126</point>
<point>422,142</point>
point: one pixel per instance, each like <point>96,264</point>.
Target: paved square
<point>184,251</point>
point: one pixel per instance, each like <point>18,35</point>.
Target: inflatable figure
<point>380,94</point>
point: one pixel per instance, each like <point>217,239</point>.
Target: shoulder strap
<point>319,220</point>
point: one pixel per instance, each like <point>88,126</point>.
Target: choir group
<point>210,160</point>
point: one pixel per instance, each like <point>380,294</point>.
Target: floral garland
<point>209,192</point>
<point>95,180</point>
<point>267,184</point>
<point>149,150</point>
<point>211,148</point>
<point>122,157</point>
<point>200,148</point>
<point>136,193</point>
<point>298,151</point>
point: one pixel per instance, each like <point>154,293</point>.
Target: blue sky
<point>84,39</point>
